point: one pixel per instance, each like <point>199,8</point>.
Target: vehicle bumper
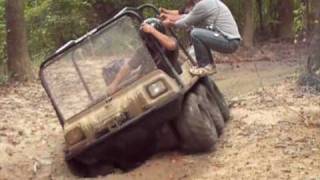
<point>135,138</point>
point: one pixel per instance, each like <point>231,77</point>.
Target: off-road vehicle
<point>153,110</point>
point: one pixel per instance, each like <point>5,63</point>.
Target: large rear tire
<point>206,98</point>
<point>166,139</point>
<point>195,127</point>
<point>218,97</point>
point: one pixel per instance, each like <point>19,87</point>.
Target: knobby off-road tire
<point>166,139</point>
<point>81,169</point>
<point>218,97</point>
<point>211,106</point>
<point>195,127</point>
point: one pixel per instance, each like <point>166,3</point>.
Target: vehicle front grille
<point>110,124</point>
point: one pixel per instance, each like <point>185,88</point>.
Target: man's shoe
<point>203,71</point>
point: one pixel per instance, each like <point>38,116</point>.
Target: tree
<point>286,17</point>
<point>19,65</point>
<point>260,12</point>
<point>249,26</point>
<point>307,17</point>
<point>312,75</point>
<point>314,59</point>
<point>2,44</point>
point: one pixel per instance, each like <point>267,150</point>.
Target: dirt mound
<point>29,132</point>
<point>274,134</point>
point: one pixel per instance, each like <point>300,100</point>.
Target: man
<point>214,28</point>
<point>155,31</point>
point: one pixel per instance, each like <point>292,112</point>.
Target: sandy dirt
<point>273,134</point>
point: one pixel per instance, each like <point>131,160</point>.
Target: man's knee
<point>233,46</point>
<point>195,33</point>
<point>203,34</point>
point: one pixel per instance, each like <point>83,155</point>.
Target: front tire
<point>83,170</point>
<point>77,168</point>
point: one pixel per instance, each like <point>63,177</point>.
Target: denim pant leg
<point>205,40</point>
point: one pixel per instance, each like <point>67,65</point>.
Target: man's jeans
<point>206,40</point>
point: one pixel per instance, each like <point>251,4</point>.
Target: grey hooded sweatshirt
<point>211,12</point>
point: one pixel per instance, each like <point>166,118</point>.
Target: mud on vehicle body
<point>151,112</point>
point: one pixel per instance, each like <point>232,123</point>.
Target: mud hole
<point>274,134</point>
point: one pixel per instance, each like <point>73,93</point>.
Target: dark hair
<point>188,6</point>
<point>156,23</point>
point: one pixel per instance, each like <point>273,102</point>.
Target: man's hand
<point>147,28</point>
<point>163,16</point>
<point>163,10</point>
<point>168,23</point>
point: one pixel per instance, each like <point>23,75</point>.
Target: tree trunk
<point>315,43</point>
<point>307,17</point>
<point>285,27</point>
<point>260,12</point>
<point>19,65</point>
<point>249,26</point>
<point>312,75</point>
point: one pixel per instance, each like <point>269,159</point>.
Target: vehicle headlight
<point>75,136</point>
<point>157,88</point>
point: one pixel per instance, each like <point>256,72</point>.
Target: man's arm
<point>198,13</point>
<point>168,42</point>
<point>171,17</point>
<point>114,86</point>
<point>167,11</point>
<point>130,64</point>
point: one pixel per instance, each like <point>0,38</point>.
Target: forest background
<point>32,29</point>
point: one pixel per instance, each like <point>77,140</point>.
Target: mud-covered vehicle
<point>154,109</point>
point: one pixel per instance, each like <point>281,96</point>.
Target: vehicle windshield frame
<point>133,13</point>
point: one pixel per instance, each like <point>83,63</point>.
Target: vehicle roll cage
<point>134,12</point>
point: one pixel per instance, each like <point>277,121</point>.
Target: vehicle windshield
<point>81,76</point>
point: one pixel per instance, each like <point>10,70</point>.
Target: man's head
<point>155,23</point>
<point>154,32</point>
<point>148,26</point>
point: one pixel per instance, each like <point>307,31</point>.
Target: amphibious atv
<point>153,110</point>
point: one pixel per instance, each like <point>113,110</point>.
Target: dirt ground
<point>273,134</point>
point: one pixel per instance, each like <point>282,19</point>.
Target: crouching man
<point>213,28</point>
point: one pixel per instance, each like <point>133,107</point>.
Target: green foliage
<point>299,15</point>
<point>3,79</point>
<point>51,23</point>
<point>167,3</point>
<point>2,34</point>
